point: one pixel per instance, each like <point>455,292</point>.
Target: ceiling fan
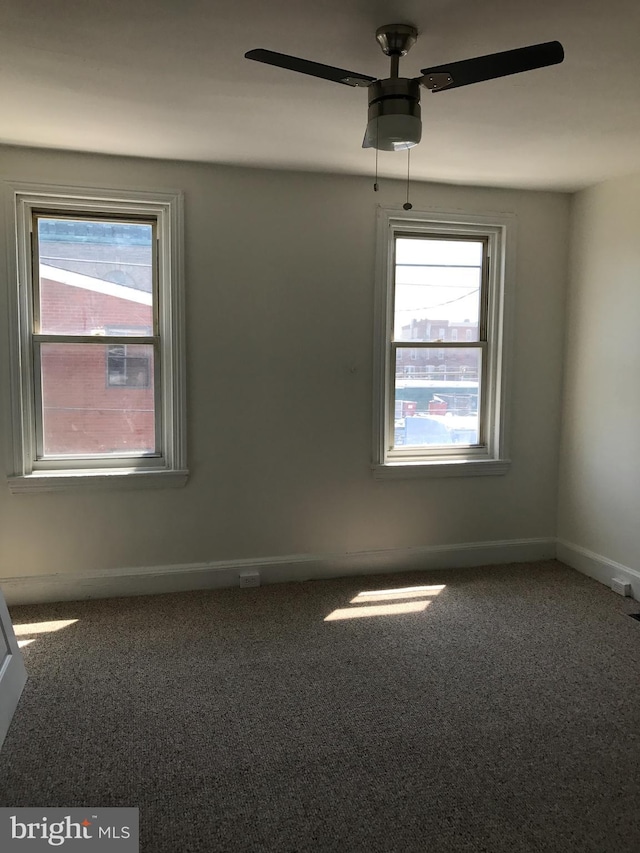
<point>394,102</point>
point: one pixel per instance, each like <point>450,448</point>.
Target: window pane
<point>437,400</point>
<point>437,289</point>
<point>95,275</point>
<point>86,410</point>
<point>127,367</point>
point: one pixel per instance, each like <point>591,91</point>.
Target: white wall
<point>599,497</point>
<point>280,269</point>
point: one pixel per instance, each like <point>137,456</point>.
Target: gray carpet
<point>503,717</point>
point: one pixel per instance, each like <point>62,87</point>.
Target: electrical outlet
<point>249,579</point>
<point>621,587</point>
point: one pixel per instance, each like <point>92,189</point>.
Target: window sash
<point>85,216</point>
<point>394,345</point>
<point>99,340</point>
<point>456,237</point>
<point>482,401</point>
<point>39,459</point>
<point>42,462</point>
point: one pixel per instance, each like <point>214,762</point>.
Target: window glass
<point>443,410</point>
<point>437,285</point>
<point>92,274</point>
<point>83,416</point>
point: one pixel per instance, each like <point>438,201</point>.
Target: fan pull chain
<point>407,205</point>
<point>375,186</point>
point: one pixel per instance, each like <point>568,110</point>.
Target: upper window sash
<point>37,214</point>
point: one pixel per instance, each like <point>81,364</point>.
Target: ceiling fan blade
<point>315,69</point>
<point>493,65</point>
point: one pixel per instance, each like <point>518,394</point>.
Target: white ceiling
<point>167,78</point>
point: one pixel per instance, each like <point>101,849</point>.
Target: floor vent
<point>635,616</point>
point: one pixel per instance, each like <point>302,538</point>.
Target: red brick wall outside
<point>79,311</point>
<point>457,364</point>
<point>82,414</point>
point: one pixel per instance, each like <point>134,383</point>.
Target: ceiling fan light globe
<point>393,132</point>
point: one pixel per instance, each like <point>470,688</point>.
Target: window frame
<point>167,466</point>
<point>491,455</point>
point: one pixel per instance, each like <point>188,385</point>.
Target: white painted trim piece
<point>115,479</point>
<point>13,675</point>
<point>596,566</point>
<point>148,580</point>
<point>461,468</point>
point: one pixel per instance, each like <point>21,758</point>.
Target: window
<point>127,367</point>
<point>127,370</point>
<point>98,363</point>
<point>434,272</point>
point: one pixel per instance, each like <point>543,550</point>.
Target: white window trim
<point>170,470</point>
<point>492,458</point>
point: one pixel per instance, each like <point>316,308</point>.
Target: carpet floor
<point>498,712</point>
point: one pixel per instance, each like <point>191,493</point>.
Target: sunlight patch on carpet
<point>28,628</point>
<point>391,594</point>
<point>377,610</point>
<point>29,632</point>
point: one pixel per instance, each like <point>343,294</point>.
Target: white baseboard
<point>596,566</point>
<point>151,580</point>
<point>147,580</point>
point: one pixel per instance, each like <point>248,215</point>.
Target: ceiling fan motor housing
<point>394,114</point>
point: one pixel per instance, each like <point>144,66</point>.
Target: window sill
<point>440,468</point>
<point>115,480</point>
